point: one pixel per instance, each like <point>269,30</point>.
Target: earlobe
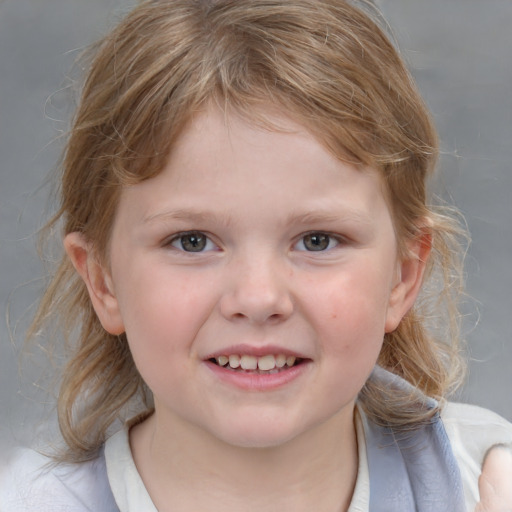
<point>98,281</point>
<point>409,278</point>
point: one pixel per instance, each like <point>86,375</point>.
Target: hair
<point>331,67</point>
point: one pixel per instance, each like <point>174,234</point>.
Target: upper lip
<point>256,351</point>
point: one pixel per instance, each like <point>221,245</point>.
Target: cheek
<point>356,301</point>
<point>162,314</point>
<point>160,330</point>
<point>352,339</point>
<point>349,315</point>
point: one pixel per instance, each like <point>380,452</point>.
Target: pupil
<point>316,242</point>
<point>194,242</point>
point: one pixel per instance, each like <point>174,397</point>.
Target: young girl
<point>247,231</point>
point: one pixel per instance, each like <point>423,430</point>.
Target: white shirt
<point>28,487</point>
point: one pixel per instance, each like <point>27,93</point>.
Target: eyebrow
<point>321,216</point>
<point>192,215</point>
<point>309,217</point>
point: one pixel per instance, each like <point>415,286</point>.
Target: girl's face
<point>257,248</point>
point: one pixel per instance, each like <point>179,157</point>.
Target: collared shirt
<point>113,482</point>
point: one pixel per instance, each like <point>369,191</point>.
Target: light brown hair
<point>327,64</point>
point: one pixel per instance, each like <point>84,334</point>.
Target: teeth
<point>234,361</point>
<point>223,360</point>
<point>268,363</point>
<point>249,362</point>
<point>280,360</point>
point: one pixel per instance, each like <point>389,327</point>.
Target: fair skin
<point>262,245</point>
<point>495,482</point>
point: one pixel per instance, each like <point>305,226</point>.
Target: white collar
<point>132,496</point>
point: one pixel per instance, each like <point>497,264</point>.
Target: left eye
<point>316,242</point>
<point>193,241</point>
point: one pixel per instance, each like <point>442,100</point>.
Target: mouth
<point>263,365</point>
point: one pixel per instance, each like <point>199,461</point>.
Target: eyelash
<point>201,241</point>
<point>321,237</point>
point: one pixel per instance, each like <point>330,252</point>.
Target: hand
<point>495,482</point>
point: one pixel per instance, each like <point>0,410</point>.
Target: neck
<point>316,470</point>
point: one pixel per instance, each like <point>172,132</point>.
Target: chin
<point>257,441</point>
<point>257,434</point>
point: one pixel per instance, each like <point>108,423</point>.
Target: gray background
<point>460,53</point>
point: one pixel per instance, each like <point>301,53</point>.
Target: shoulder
<point>475,429</point>
<point>472,431</point>
<point>32,482</point>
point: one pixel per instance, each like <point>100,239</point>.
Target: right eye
<point>192,241</point>
<point>317,241</point>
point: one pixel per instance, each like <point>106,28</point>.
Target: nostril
<point>256,305</point>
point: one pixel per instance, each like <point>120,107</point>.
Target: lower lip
<point>258,381</point>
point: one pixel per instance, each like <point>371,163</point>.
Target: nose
<point>258,292</point>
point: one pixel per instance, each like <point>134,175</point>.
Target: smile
<point>264,364</point>
<point>258,369</point>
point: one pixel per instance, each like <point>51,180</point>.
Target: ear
<point>409,278</point>
<point>98,281</point>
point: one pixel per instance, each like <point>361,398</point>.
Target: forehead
<point>225,168</point>
<point>257,138</point>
